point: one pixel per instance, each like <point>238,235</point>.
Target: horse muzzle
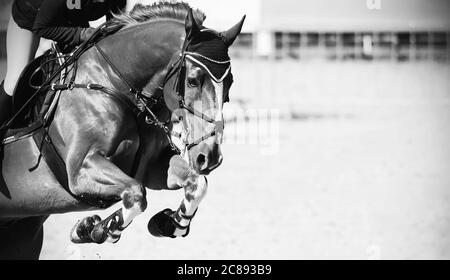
<point>205,158</point>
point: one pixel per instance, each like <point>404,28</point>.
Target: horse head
<point>201,89</point>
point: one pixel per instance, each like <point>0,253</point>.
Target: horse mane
<point>163,9</point>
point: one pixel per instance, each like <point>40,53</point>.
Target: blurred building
<point>349,29</point>
<point>331,29</point>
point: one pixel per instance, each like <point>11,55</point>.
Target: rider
<point>63,21</point>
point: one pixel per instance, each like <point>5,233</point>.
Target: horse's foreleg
<point>99,180</point>
<point>193,195</point>
<point>170,223</point>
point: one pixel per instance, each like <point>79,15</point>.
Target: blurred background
<point>337,139</point>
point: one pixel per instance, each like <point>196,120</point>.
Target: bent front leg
<point>99,179</point>
<point>194,192</point>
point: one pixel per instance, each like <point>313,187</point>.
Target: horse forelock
<point>163,9</point>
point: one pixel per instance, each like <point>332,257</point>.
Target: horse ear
<point>230,35</point>
<point>192,28</point>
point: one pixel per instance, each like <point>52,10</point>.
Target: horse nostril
<point>201,161</point>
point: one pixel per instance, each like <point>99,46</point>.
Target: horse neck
<point>141,51</point>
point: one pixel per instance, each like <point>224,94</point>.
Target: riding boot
<point>5,106</point>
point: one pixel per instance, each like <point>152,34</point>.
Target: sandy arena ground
<point>361,171</point>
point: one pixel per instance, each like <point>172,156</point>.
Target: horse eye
<point>192,82</point>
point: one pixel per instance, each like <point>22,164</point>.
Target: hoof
<point>81,231</point>
<point>99,233</point>
<point>163,225</point>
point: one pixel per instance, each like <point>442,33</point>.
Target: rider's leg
<point>21,46</point>
<point>5,104</point>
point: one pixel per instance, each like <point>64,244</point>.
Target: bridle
<point>146,102</point>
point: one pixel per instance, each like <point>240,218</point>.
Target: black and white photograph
<point>225,130</point>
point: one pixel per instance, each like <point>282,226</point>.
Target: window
<point>294,40</point>
<point>439,39</point>
<point>348,39</point>
<point>330,39</point>
<point>312,39</point>
<point>403,38</point>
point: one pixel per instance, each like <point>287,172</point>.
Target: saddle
<point>40,82</point>
<point>32,113</point>
<point>29,112</point>
<point>33,76</point>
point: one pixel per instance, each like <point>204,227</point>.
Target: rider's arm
<point>50,24</point>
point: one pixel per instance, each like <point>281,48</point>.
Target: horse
<point>142,110</point>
